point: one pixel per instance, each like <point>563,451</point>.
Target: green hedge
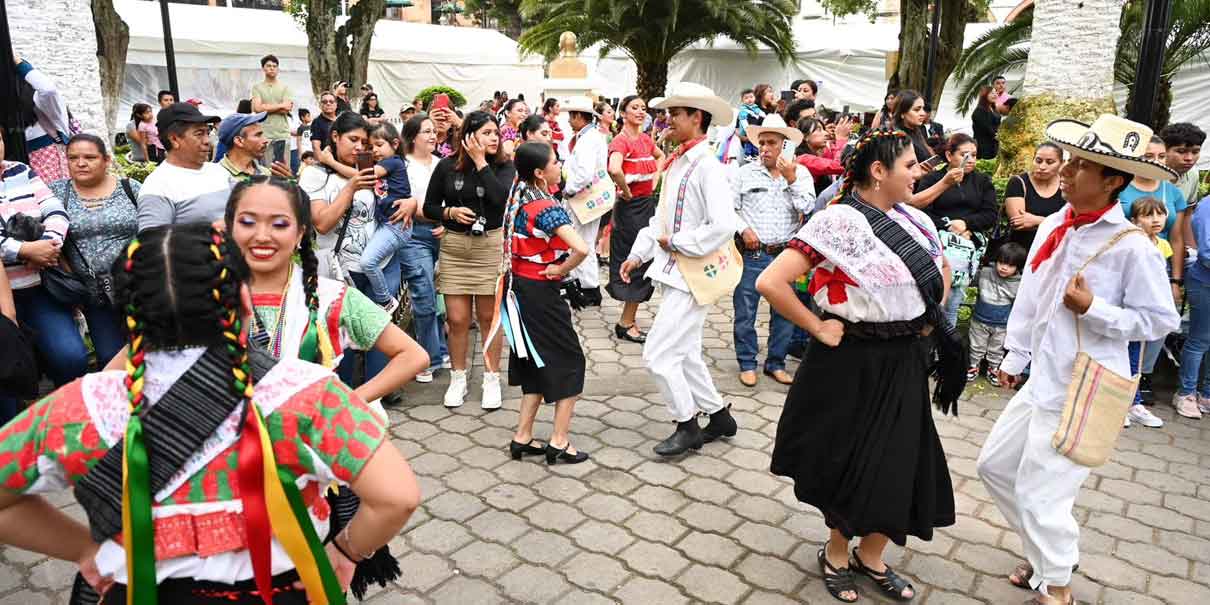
<point>426,95</point>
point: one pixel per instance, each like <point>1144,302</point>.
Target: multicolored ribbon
<point>138,529</point>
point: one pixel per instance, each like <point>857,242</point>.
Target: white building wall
<point>58,37</point>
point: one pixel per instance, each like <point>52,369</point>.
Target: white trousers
<point>1035,488</point>
<point>673,353</point>
<point>587,272</point>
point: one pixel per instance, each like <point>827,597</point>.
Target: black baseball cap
<point>182,112</point>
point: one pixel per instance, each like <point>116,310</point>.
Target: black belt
<point>770,249</point>
<point>889,330</point>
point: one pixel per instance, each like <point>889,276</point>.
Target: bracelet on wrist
<point>1176,280</point>
<point>349,544</point>
<point>342,552</point>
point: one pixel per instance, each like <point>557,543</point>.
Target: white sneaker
<point>1203,404</point>
<point>1143,416</point>
<point>1126,422</point>
<point>425,377</point>
<point>445,362</point>
<point>1186,405</point>
<point>457,389</point>
<point>491,391</point>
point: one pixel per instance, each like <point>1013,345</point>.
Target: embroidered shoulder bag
<point>709,277</point>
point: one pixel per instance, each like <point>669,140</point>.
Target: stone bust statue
<point>568,65</point>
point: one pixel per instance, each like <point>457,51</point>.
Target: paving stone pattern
<point>715,526</point>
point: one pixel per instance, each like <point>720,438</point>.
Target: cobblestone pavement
<point>628,527</point>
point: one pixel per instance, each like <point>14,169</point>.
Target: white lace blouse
<point>857,277</point>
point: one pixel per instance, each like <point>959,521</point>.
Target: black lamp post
<point>1151,62</point>
<point>169,53</point>
<point>931,65</point>
<point>10,113</point>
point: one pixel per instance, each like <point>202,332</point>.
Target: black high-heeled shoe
<point>517,450</point>
<point>554,454</point>
<point>623,332</point>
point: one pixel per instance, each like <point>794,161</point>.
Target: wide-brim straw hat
<point>775,124</point>
<point>582,104</point>
<point>696,96</point>
<point>1110,141</point>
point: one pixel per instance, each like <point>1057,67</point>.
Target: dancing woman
<point>208,467</point>
<point>856,434</point>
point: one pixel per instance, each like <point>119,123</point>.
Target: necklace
<point>261,335</point>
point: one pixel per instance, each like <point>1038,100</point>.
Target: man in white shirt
<point>772,198</point>
<point>1118,297</point>
<point>587,163</point>
<point>694,219</point>
<point>185,187</point>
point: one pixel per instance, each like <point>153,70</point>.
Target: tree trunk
<point>915,31</point>
<point>340,53</point>
<point>113,40</point>
<point>652,78</point>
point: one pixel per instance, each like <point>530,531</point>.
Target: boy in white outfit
<point>1121,296</point>
<point>588,161</point>
<point>694,219</point>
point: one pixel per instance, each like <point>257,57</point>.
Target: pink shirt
<point>152,133</point>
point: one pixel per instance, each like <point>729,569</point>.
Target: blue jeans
<point>375,360</point>
<point>55,333</point>
<point>294,161</point>
<point>388,238</point>
<point>747,301</point>
<point>417,262</point>
<point>957,297</point>
<point>1198,295</point>
<point>798,336</point>
<point>1151,355</point>
<point>105,328</point>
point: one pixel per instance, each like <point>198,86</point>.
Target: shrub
<point>426,95</point>
<point>125,168</point>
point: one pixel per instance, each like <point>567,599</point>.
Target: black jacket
<point>972,201</point>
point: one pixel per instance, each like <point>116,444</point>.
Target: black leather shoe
<point>688,436</point>
<point>517,450</point>
<point>591,296</point>
<point>721,426</point>
<point>623,333</point>
<point>554,454</point>
<point>573,294</point>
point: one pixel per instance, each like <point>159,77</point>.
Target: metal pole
<point>169,53</point>
<point>10,113</point>
<point>1151,62</point>
<point>931,66</point>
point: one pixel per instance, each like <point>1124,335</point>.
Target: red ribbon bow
<point>835,281</point>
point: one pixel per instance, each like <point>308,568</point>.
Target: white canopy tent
<point>218,51</point>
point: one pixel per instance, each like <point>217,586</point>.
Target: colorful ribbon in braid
<point>316,345</point>
<point>504,282</point>
<point>849,175</point>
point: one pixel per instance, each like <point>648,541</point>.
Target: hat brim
<point>720,111</point>
<point>1065,134</point>
<point>581,109</point>
<point>793,134</point>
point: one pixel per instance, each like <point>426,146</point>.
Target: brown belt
<point>770,249</point>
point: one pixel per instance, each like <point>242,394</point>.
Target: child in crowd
<point>1150,215</point>
<point>997,289</point>
<point>389,237</point>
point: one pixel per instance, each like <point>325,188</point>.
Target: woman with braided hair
<point>856,434</point>
<point>201,467</point>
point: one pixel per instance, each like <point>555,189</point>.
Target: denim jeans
<point>105,328</point>
<point>953,303</point>
<point>375,360</point>
<point>388,238</point>
<point>294,161</point>
<point>799,338</point>
<point>55,333</point>
<point>417,262</point>
<point>747,301</point>
<point>1198,295</point>
<point>275,151</point>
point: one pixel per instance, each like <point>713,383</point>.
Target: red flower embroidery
<point>835,281</point>
<point>16,481</point>
<point>56,441</point>
<point>89,438</point>
<point>286,452</point>
<point>344,421</point>
<point>331,445</point>
<point>358,449</point>
<point>370,429</point>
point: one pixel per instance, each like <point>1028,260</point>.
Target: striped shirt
<point>23,192</point>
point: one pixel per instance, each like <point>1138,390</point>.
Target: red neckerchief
<point>1055,238</point>
<point>682,150</point>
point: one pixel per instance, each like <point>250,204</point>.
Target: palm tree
<point>652,32</point>
<point>1007,48</point>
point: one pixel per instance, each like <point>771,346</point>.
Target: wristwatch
<point>1176,280</point>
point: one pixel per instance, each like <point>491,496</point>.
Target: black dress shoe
<point>623,333</point>
<point>1145,390</point>
<point>571,291</point>
<point>591,296</point>
<point>554,454</point>
<point>516,450</point>
<point>688,436</point>
<point>721,426</point>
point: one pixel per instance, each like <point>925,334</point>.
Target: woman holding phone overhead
<point>468,193</point>
<point>962,203</point>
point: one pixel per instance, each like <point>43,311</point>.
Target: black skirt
<point>629,217</point>
<point>547,319</point>
<point>181,591</point>
<point>857,437</point>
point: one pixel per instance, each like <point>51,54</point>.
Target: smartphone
<point>787,150</point>
<point>845,112</point>
<point>364,160</point>
<point>440,101</point>
<point>931,163</point>
<point>787,96</point>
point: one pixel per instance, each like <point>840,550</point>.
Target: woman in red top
<point>634,165</point>
<point>550,109</point>
<point>545,359</point>
<point>819,155</point>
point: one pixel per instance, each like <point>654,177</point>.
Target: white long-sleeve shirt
<point>1132,301</point>
<point>771,207</point>
<point>589,157</point>
<point>707,219</point>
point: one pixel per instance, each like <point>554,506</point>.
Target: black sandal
<point>837,580</point>
<point>623,332</point>
<point>888,582</point>
<point>517,450</point>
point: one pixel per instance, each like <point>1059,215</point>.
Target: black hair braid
<point>876,145</point>
<point>226,293</point>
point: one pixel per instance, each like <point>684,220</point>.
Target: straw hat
<point>775,124</point>
<point>696,96</point>
<point>1110,141</point>
<point>582,104</point>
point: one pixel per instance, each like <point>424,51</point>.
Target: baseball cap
<point>182,112</point>
<point>196,102</point>
<point>235,123</point>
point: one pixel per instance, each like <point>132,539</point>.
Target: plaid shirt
<point>769,206</point>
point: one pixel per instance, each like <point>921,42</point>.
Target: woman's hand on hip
<point>829,332</point>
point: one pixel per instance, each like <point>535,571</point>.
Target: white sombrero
<point>1110,141</point>
<point>775,124</point>
<point>696,96</point>
<point>581,104</point>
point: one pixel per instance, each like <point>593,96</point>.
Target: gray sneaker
<point>1186,405</point>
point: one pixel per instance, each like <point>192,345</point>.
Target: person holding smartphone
<point>962,203</point>
<point>468,193</point>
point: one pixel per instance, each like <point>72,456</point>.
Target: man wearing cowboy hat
<point>771,198</point>
<point>695,218</point>
<point>1120,296</point>
<point>588,158</point>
